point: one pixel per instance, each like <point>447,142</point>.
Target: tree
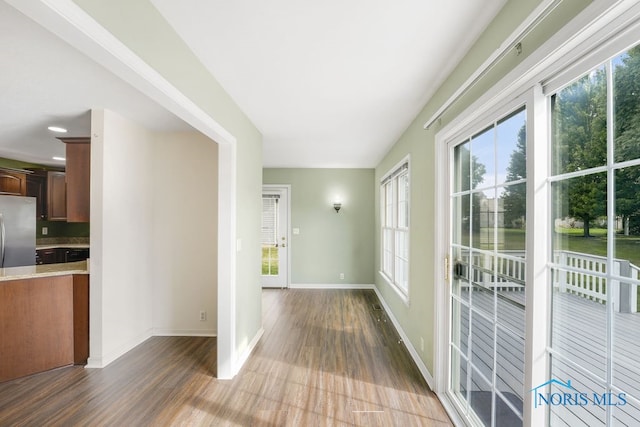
<point>580,142</point>
<point>470,173</point>
<point>627,134</point>
<point>515,196</point>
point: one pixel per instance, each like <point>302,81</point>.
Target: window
<point>394,208</point>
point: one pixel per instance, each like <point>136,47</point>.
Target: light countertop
<point>64,245</point>
<point>46,270</point>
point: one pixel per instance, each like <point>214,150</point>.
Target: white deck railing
<point>506,271</point>
<point>580,280</point>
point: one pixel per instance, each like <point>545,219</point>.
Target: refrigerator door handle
<point>2,231</point>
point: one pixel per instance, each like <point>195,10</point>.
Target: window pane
<point>626,95</point>
<point>461,284</point>
<point>270,263</point>
<point>462,220</point>
<point>482,344</point>
<point>579,120</point>
<point>625,415</point>
<point>512,210</point>
<point>624,293</point>
<point>483,159</point>
<point>403,200</point>
<point>387,252</point>
<point>480,397</point>
<point>402,260</point>
<point>510,376</point>
<point>579,296</point>
<point>579,207</point>
<point>462,162</point>
<point>511,136</point>
<point>388,191</point>
<point>483,219</point>
<point>573,415</point>
<point>459,375</point>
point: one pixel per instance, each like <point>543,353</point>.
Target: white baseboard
<point>405,339</point>
<point>158,332</point>
<point>331,286</point>
<point>247,351</point>
<point>101,362</point>
<point>94,363</point>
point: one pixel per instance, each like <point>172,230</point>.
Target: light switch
<point>296,231</point>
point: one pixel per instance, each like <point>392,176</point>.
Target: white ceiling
<point>43,82</point>
<point>329,83</point>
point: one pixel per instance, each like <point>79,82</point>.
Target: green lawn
<point>269,261</point>
<point>626,247</point>
<point>570,239</point>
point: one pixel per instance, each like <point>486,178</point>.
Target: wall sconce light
<point>337,206</point>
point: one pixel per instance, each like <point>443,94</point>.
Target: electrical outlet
<point>341,276</point>
<point>203,316</point>
<point>45,231</point>
<point>421,344</point>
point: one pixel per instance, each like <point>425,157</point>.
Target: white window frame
<point>394,228</point>
<point>601,31</point>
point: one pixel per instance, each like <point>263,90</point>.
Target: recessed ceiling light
<point>62,159</point>
<point>57,129</point>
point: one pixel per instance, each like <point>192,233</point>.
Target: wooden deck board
<point>579,332</point>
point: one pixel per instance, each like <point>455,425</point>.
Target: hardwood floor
<point>327,357</point>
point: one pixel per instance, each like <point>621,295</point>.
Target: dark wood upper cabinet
<point>37,187</point>
<point>13,183</point>
<point>56,196</point>
<point>78,171</point>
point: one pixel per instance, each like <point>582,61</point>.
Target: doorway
<point>275,236</point>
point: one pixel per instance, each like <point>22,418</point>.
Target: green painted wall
<point>17,164</point>
<point>417,317</point>
<point>62,229</point>
<point>330,243</point>
<point>139,25</point>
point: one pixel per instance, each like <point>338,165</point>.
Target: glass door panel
<point>274,236</point>
<point>488,205</point>
<point>596,212</point>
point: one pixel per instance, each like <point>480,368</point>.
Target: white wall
<point>153,235</point>
<point>121,217</point>
<point>185,234</point>
<point>158,45</point>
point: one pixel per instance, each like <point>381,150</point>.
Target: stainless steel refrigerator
<point>17,231</point>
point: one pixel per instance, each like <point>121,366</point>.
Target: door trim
<point>288,232</point>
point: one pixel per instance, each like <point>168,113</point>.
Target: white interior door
<point>275,237</point>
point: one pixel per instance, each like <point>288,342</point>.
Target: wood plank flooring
<point>327,357</point>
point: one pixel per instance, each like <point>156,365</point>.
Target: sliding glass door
<point>488,201</point>
<point>595,201</point>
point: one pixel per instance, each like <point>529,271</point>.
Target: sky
<point>494,147</point>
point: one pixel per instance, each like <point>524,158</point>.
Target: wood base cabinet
<point>44,324</point>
